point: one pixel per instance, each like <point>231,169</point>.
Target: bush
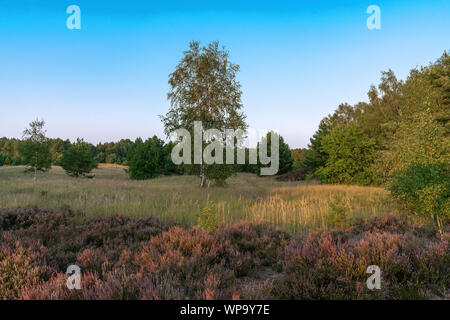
<point>2,160</point>
<point>78,159</point>
<point>338,212</point>
<point>207,218</point>
<point>129,258</point>
<point>295,175</point>
<point>425,190</point>
<point>332,265</point>
<point>125,258</point>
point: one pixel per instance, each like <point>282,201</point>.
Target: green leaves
<point>425,190</point>
<point>35,148</point>
<point>147,160</point>
<point>351,155</point>
<point>78,159</point>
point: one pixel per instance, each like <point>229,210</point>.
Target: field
<point>294,206</point>
<point>142,240</point>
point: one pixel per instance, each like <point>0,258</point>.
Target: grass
<point>294,206</point>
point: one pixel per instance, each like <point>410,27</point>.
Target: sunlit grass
<point>294,206</point>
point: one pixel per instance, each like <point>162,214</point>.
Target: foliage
<point>295,175</point>
<point>285,157</point>
<point>35,149</point>
<point>57,149</point>
<point>147,160</point>
<point>207,217</point>
<point>403,122</point>
<point>425,189</point>
<point>78,159</point>
<point>298,156</point>
<point>420,139</point>
<point>351,155</point>
<point>2,160</point>
<point>204,88</point>
<point>333,264</point>
<point>338,211</point>
<point>127,258</point>
<point>113,152</point>
<point>315,156</point>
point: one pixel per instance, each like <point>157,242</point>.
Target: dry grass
<point>295,206</point>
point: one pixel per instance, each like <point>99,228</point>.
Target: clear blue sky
<point>299,59</point>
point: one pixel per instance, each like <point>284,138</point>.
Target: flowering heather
<point>141,258</point>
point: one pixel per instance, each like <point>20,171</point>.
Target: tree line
<point>108,152</point>
<point>143,159</point>
<point>400,139</point>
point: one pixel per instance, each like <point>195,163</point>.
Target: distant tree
<point>298,155</point>
<point>2,160</point>
<point>111,158</point>
<point>146,159</point>
<point>204,88</point>
<point>168,167</point>
<point>351,156</point>
<point>78,159</point>
<point>315,156</point>
<point>35,149</point>
<point>57,148</point>
<point>11,148</point>
<point>285,158</point>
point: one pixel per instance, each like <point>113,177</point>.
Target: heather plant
<point>264,243</point>
<point>141,258</point>
<point>332,264</point>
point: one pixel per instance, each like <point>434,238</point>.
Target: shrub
<point>425,190</point>
<point>207,218</point>
<point>295,175</point>
<point>332,265</point>
<point>338,211</point>
<point>130,258</point>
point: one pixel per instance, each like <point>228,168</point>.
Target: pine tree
<point>78,160</point>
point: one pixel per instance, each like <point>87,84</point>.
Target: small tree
<point>35,149</point>
<point>78,160</point>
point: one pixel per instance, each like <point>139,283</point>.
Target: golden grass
<point>295,206</point>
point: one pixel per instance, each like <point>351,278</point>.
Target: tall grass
<point>294,206</point>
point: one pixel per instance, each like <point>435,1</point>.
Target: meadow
<point>296,207</point>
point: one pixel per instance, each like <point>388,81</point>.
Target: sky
<point>108,80</point>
